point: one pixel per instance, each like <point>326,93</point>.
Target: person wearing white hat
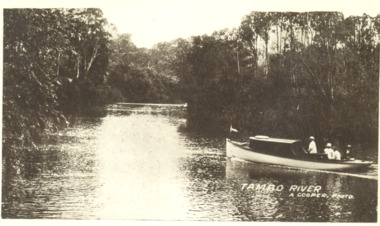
<point>329,151</point>
<point>312,146</point>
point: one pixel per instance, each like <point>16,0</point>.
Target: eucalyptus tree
<point>249,38</point>
<point>360,76</point>
<point>210,81</point>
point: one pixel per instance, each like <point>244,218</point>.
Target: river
<point>140,163</point>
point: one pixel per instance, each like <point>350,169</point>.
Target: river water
<point>140,163</point>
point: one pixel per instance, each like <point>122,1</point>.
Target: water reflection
<point>139,170</point>
<point>140,162</point>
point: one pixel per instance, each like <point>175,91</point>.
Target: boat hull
<point>241,151</point>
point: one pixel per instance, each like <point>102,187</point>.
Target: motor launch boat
<point>287,152</point>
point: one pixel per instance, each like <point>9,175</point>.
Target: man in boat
<point>348,152</point>
<point>336,155</point>
<point>312,146</point>
<point>329,151</point>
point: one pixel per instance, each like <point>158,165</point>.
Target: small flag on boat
<point>232,129</point>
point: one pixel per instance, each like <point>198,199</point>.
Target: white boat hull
<point>237,150</point>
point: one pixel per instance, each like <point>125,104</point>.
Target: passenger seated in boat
<point>312,146</point>
<point>347,155</point>
<point>329,151</point>
<point>336,155</point>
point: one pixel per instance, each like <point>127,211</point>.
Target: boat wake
<point>372,169</point>
<point>153,104</point>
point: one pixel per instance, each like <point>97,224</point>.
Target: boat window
<point>271,148</point>
<point>299,149</point>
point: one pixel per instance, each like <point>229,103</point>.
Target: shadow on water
<point>59,172</point>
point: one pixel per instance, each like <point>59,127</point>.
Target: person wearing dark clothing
<point>347,154</point>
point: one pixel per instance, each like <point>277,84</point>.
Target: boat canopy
<point>277,146</point>
<point>273,140</point>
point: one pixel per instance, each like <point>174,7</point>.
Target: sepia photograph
<point>190,111</point>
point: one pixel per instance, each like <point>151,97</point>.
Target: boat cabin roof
<point>273,140</point>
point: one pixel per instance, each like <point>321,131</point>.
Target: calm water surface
<point>140,162</point>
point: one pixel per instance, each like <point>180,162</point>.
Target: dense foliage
<point>138,75</point>
<point>54,61</point>
<point>289,75</point>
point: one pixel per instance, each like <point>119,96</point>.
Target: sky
<point>154,21</point>
<point>151,22</point>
